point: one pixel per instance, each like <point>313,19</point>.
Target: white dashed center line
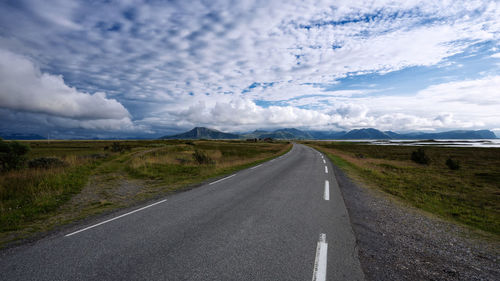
<point>255,167</point>
<point>319,273</point>
<point>121,216</point>
<point>326,169</point>
<point>222,179</point>
<point>327,190</point>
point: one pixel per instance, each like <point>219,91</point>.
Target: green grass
<point>26,198</point>
<point>33,200</point>
<point>470,195</point>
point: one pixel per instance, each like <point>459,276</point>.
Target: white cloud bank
<point>23,87</point>
<point>465,104</point>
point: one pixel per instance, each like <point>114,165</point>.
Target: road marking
<point>326,169</point>
<point>255,167</point>
<point>319,273</point>
<point>222,179</point>
<point>120,216</point>
<point>324,161</point>
<point>327,190</point>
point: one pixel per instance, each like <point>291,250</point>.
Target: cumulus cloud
<point>238,113</point>
<point>23,87</point>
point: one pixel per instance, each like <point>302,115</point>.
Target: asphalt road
<point>269,222</point>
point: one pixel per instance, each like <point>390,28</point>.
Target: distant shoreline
<point>491,143</point>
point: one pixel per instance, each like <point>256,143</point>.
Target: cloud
<point>226,47</point>
<point>457,104</point>
<point>441,106</point>
<point>161,59</point>
<point>479,92</point>
<point>23,87</point>
<point>243,114</point>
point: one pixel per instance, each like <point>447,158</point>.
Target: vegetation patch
<point>45,163</point>
<point>419,156</point>
<point>452,164</point>
<point>456,183</point>
<point>202,158</point>
<point>12,155</point>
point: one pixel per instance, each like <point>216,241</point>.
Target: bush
<point>452,164</point>
<point>95,156</point>
<point>12,155</point>
<point>46,163</point>
<point>201,158</point>
<point>118,147</point>
<point>420,157</point>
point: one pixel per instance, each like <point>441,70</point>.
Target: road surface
<point>282,220</point>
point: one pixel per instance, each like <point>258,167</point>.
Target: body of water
<point>440,142</point>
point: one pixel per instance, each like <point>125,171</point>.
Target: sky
<point>73,68</point>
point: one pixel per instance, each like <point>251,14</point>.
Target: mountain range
<point>292,133</point>
<point>357,134</point>
<point>21,136</point>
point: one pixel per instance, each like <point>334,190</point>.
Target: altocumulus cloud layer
<point>134,67</point>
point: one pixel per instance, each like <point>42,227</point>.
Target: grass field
<point>469,195</point>
<point>104,175</point>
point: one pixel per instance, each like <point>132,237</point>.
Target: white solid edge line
<point>320,263</point>
<point>120,216</point>
<point>222,179</point>
<point>255,167</point>
<point>326,169</point>
<point>327,190</point>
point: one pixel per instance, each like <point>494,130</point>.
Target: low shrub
<point>452,164</point>
<point>182,161</point>
<point>46,163</point>
<point>420,157</point>
<point>95,156</point>
<point>118,147</point>
<point>12,155</point>
<point>202,158</point>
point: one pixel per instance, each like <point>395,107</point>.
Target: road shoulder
<point>397,242</point>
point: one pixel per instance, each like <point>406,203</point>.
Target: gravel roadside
<point>397,242</point>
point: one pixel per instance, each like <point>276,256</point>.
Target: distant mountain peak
<point>365,133</point>
<point>202,133</point>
